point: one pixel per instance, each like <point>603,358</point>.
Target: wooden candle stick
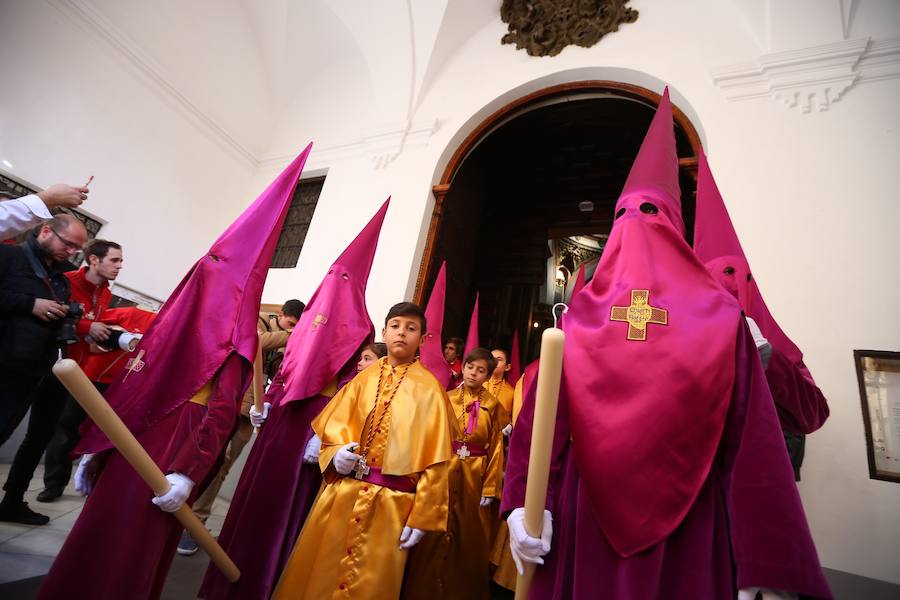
<point>84,392</point>
<point>258,379</point>
<point>545,404</point>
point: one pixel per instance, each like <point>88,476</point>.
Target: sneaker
<point>49,494</point>
<point>20,513</point>
<point>187,546</point>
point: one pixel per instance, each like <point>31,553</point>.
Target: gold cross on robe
<point>639,314</point>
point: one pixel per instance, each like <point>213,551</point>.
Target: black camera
<point>67,333</point>
<point>119,340</point>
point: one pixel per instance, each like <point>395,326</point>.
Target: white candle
<point>545,404</point>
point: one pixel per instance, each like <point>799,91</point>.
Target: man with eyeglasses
<point>34,297</point>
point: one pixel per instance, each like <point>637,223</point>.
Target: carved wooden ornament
<point>545,27</point>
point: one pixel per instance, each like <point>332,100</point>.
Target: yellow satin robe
<point>503,392</point>
<point>349,546</point>
<point>455,564</point>
<point>501,558</point>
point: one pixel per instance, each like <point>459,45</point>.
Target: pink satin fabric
<point>210,315</point>
<point>647,416</point>
<point>336,320</point>
<point>431,352</point>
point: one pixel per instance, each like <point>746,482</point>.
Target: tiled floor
<point>27,552</point>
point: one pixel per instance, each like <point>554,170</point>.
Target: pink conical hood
<point>211,314</point>
<point>717,245</point>
<point>665,385</point>
<point>336,321</point>
<point>472,337</point>
<point>431,352</point>
<point>714,233</point>
<point>656,167</point>
<point>515,361</point>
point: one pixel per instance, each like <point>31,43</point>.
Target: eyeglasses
<point>69,243</point>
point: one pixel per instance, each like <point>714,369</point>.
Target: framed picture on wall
<point>878,373</point>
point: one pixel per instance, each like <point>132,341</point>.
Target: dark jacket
<point>25,340</point>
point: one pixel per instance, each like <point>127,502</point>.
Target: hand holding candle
<point>546,401</point>
<point>84,392</point>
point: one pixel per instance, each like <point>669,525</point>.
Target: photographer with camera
<point>52,405</point>
<point>34,305</point>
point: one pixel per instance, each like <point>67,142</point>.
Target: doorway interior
<point>528,198</point>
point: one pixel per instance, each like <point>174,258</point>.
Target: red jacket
<point>95,300</point>
<point>103,367</point>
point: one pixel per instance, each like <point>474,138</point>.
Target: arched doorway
<point>528,196</point>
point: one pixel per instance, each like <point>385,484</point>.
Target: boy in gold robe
<point>455,564</point>
<point>385,446</point>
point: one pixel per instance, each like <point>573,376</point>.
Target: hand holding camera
<point>48,310</point>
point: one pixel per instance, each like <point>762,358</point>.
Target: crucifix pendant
<point>463,452</point>
<point>361,469</point>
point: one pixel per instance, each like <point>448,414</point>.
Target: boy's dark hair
<point>407,309</point>
<point>98,248</point>
<point>503,350</point>
<point>458,343</point>
<point>379,349</point>
<point>482,354</point>
<point>293,308</point>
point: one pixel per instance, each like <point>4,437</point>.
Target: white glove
<point>410,537</point>
<point>258,418</point>
<point>345,459</point>
<point>767,594</point>
<point>523,547</point>
<point>758,336</point>
<point>311,454</point>
<point>486,501</point>
<point>507,430</point>
<point>179,489</point>
<point>84,483</point>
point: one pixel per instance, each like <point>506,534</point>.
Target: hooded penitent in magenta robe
<point>669,476</point>
<point>802,407</point>
<point>277,489</point>
<point>180,395</point>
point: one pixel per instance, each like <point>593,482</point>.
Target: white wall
<point>71,107</point>
<point>812,195</point>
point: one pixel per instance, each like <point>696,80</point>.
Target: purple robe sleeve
<point>801,406</point>
<point>771,542</point>
<point>520,448</point>
<point>202,448</point>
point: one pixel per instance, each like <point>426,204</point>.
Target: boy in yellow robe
<point>455,564</point>
<point>385,445</point>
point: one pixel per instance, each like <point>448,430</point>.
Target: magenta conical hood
<point>655,170</point>
<point>716,244</point>
<point>714,233</point>
<point>472,337</point>
<point>431,352</point>
<point>335,323</point>
<point>211,314</point>
<point>361,252</point>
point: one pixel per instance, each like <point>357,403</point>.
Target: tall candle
<point>545,404</point>
<point>84,392</point>
<point>258,379</point>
